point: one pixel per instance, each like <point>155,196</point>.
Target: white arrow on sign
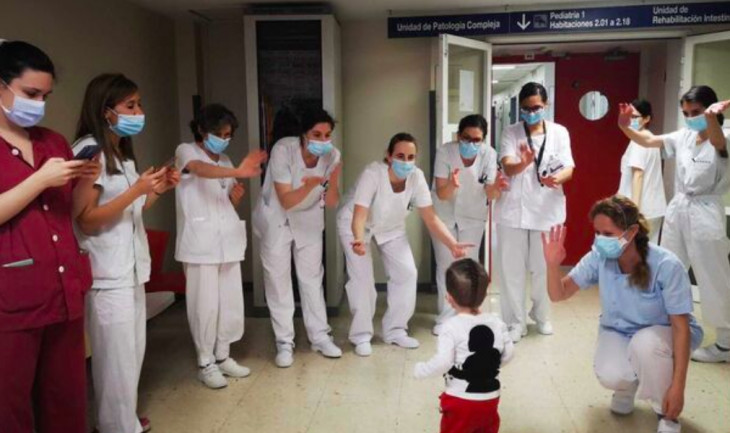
<point>524,24</point>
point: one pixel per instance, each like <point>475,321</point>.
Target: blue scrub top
<point>627,309</point>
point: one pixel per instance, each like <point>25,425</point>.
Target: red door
<point>597,145</point>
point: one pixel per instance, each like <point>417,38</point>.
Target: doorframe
<point>688,55</point>
<point>440,66</point>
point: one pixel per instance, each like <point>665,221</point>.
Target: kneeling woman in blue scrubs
<point>646,326</point>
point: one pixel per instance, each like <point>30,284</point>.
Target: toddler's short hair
<point>466,282</point>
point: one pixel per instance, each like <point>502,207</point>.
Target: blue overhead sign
<point>562,20</point>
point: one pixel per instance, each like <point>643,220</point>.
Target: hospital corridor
<point>392,216</point>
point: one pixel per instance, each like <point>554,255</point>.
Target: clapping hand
<point>454,178</point>
<point>170,181</point>
<point>251,164</point>
<point>527,155</point>
<point>717,108</point>
<point>237,193</point>
<point>501,181</point>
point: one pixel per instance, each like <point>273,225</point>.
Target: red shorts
<point>468,416</point>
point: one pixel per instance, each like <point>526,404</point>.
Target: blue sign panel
<point>563,20</point>
<point>465,25</point>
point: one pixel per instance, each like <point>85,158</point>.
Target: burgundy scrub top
<point>50,289</point>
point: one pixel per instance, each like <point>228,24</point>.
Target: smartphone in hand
<point>170,163</point>
<point>88,152</point>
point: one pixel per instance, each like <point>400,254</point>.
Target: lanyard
<point>541,153</point>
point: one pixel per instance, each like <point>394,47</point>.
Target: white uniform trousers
<point>519,253</point>
<point>709,260</point>
<point>645,360</point>
<point>214,298</point>
<point>400,269</point>
<point>444,259</point>
<point>276,259</point>
<point>116,325</point>
<point>655,228</point>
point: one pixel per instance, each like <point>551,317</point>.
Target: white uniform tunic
<point>653,200</point>
<point>465,214</point>
<point>211,243</point>
<point>526,204</point>
<point>209,230</point>
<point>386,224</point>
<point>120,255</point>
<point>524,211</point>
<point>695,223</point>
<point>115,307</point>
<point>298,229</point>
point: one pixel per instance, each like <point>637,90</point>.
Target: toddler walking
<point>471,348</point>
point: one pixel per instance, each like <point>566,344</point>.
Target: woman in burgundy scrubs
<point>43,274</point>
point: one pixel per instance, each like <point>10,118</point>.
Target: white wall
<point>385,89</point>
<point>224,82</point>
<point>87,37</point>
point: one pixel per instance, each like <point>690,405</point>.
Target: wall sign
<point>562,20</point>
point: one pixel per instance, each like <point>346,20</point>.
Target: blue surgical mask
<point>468,150</point>
<point>609,247</point>
<point>25,112</point>
<point>216,144</point>
<point>128,124</point>
<point>697,123</point>
<point>636,123</point>
<point>532,117</point>
<point>319,148</point>
<point>402,168</point>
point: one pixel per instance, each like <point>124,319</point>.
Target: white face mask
<point>24,112</point>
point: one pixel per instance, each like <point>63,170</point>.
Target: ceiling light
<point>503,67</point>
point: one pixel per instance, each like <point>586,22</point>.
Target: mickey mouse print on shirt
<point>480,369</point>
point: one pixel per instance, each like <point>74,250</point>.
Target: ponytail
<point>641,275</point>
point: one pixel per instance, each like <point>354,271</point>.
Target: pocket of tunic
<point>23,288</point>
<point>651,306</point>
<point>198,237</point>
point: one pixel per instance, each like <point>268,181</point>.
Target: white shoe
<point>516,332</point>
<point>364,349</point>
<point>711,353</point>
<point>544,328</point>
<point>328,349</point>
<point>405,342</point>
<point>231,368</point>
<point>666,426</point>
<point>284,356</point>
<point>437,329</point>
<point>212,377</point>
<point>622,402</point>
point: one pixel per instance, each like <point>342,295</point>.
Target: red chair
<point>162,281</point>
